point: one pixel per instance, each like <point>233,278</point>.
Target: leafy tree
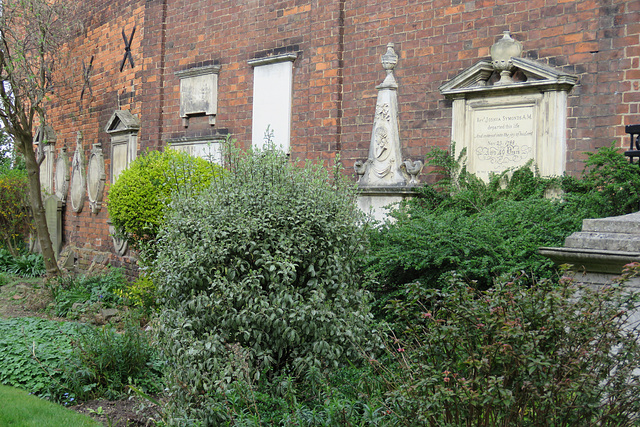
<point>32,35</point>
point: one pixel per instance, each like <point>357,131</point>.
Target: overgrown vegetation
<point>481,231</point>
<point>23,264</point>
<point>15,223</point>
<point>552,354</point>
<point>86,291</point>
<point>258,277</point>
<point>34,353</point>
<point>264,318</point>
<point>104,362</point>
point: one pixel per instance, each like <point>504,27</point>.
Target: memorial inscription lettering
<point>502,138</point>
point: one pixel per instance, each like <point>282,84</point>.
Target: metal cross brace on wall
<point>127,49</point>
<point>86,74</point>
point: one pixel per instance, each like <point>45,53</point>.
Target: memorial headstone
<point>508,111</point>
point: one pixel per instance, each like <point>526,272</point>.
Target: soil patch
<point>120,413</point>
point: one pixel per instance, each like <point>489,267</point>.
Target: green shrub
<point>15,222</point>
<point>482,231</point>
<point>105,361</point>
<point>609,185</point>
<point>258,276</point>
<point>547,355</point>
<point>138,199</point>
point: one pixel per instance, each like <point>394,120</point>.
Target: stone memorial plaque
<point>508,111</point>
<point>96,178</point>
<point>119,159</point>
<point>199,92</point>
<point>503,138</point>
<point>78,178</point>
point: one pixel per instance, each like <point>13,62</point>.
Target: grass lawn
<point>19,409</point>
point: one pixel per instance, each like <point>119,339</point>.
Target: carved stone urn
<point>501,53</point>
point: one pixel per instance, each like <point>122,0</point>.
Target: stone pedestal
<point>599,252</point>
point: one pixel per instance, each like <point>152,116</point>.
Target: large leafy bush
<point>546,355</point>
<point>138,199</point>
<point>258,277</point>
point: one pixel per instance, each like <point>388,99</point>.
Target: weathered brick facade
<point>338,45</point>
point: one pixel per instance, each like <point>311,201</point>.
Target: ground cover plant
<point>258,277</point>
<point>34,353</point>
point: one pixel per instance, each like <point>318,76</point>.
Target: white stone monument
<point>508,111</point>
<point>384,179</point>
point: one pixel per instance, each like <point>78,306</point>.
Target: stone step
<point>628,224</point>
<point>629,242</point>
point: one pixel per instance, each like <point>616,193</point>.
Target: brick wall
<point>338,45</point>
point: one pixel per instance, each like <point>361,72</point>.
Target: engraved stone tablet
<point>199,92</point>
<point>96,178</point>
<point>503,138</point>
<point>78,180</point>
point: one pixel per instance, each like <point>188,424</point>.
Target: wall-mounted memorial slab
<point>508,111</point>
<point>199,93</point>
<point>62,175</point>
<point>206,147</point>
<point>123,128</point>
<point>78,179</point>
<point>53,213</point>
<point>95,178</point>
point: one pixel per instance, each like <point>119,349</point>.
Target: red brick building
<point>334,48</point>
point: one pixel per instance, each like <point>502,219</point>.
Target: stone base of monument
<point>600,251</point>
<point>378,202</point>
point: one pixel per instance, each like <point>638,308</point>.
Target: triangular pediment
<point>45,134</point>
<point>481,76</point>
<point>122,121</point>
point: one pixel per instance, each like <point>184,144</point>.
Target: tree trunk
<point>37,207</point>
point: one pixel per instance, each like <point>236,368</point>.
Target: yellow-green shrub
<point>14,217</point>
<point>138,199</point>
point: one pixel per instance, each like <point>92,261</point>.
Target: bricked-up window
<point>272,99</point>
